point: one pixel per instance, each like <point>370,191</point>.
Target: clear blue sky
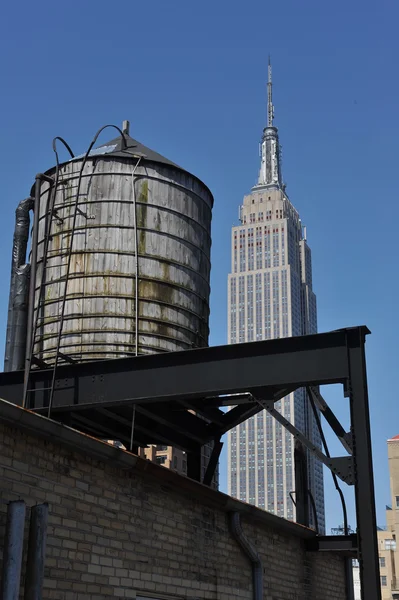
<point>191,79</point>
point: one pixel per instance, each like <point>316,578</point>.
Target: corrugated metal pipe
<point>36,552</point>
<point>18,299</point>
<point>12,553</point>
<point>257,569</point>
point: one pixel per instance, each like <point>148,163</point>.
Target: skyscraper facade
<point>270,296</point>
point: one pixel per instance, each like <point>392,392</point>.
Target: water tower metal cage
<point>120,259</point>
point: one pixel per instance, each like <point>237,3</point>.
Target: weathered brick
<point>145,536</point>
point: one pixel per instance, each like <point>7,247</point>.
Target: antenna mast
<point>270,107</point>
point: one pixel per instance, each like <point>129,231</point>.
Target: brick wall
<point>122,527</point>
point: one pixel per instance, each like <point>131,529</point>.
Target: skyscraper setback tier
<point>270,296</point>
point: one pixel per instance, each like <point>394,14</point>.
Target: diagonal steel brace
<point>344,437</point>
<point>342,466</point>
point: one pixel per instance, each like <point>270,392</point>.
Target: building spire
<point>270,168</point>
<point>270,107</point>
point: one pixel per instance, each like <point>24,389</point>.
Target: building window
<point>251,249</point>
<point>275,248</point>
<point>161,460</point>
<point>233,311</point>
<point>276,305</point>
<point>267,303</point>
<point>162,448</point>
<point>397,501</point>
<point>258,298</point>
<point>383,580</point>
<point>390,544</point>
<point>242,250</point>
<point>250,308</point>
<point>241,309</point>
<point>267,248</point>
<point>258,240</point>
<point>175,462</point>
<point>235,244</point>
<point>382,561</point>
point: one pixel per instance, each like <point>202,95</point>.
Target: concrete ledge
<point>74,440</point>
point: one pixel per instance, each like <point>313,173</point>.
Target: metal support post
<point>350,590</point>
<point>194,464</point>
<point>363,468</point>
<point>213,461</point>
<point>13,547</point>
<point>132,428</point>
<point>36,552</point>
<point>301,486</point>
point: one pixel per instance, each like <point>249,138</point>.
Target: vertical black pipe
<point>250,551</point>
<point>20,317</point>
<point>32,284</point>
<point>20,243</point>
<point>13,547</point>
<point>36,552</point>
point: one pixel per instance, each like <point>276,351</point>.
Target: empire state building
<point>270,295</point>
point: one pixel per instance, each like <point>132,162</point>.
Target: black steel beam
<point>347,544</point>
<point>211,414</point>
<point>146,429</point>
<point>363,466</point>
<point>301,485</point>
<point>194,465</point>
<point>101,431</point>
<point>288,362</point>
<point>147,433</point>
<point>213,462</point>
<point>344,437</point>
<point>342,466</point>
<point>242,412</point>
<point>183,422</point>
<point>206,376</point>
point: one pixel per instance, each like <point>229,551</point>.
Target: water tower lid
<point>126,147</point>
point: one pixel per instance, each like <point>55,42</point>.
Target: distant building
<point>172,458</point>
<point>387,537</point>
<point>169,457</point>
<point>356,581</point>
<point>270,296</point>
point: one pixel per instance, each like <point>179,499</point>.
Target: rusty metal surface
<point>173,230</point>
